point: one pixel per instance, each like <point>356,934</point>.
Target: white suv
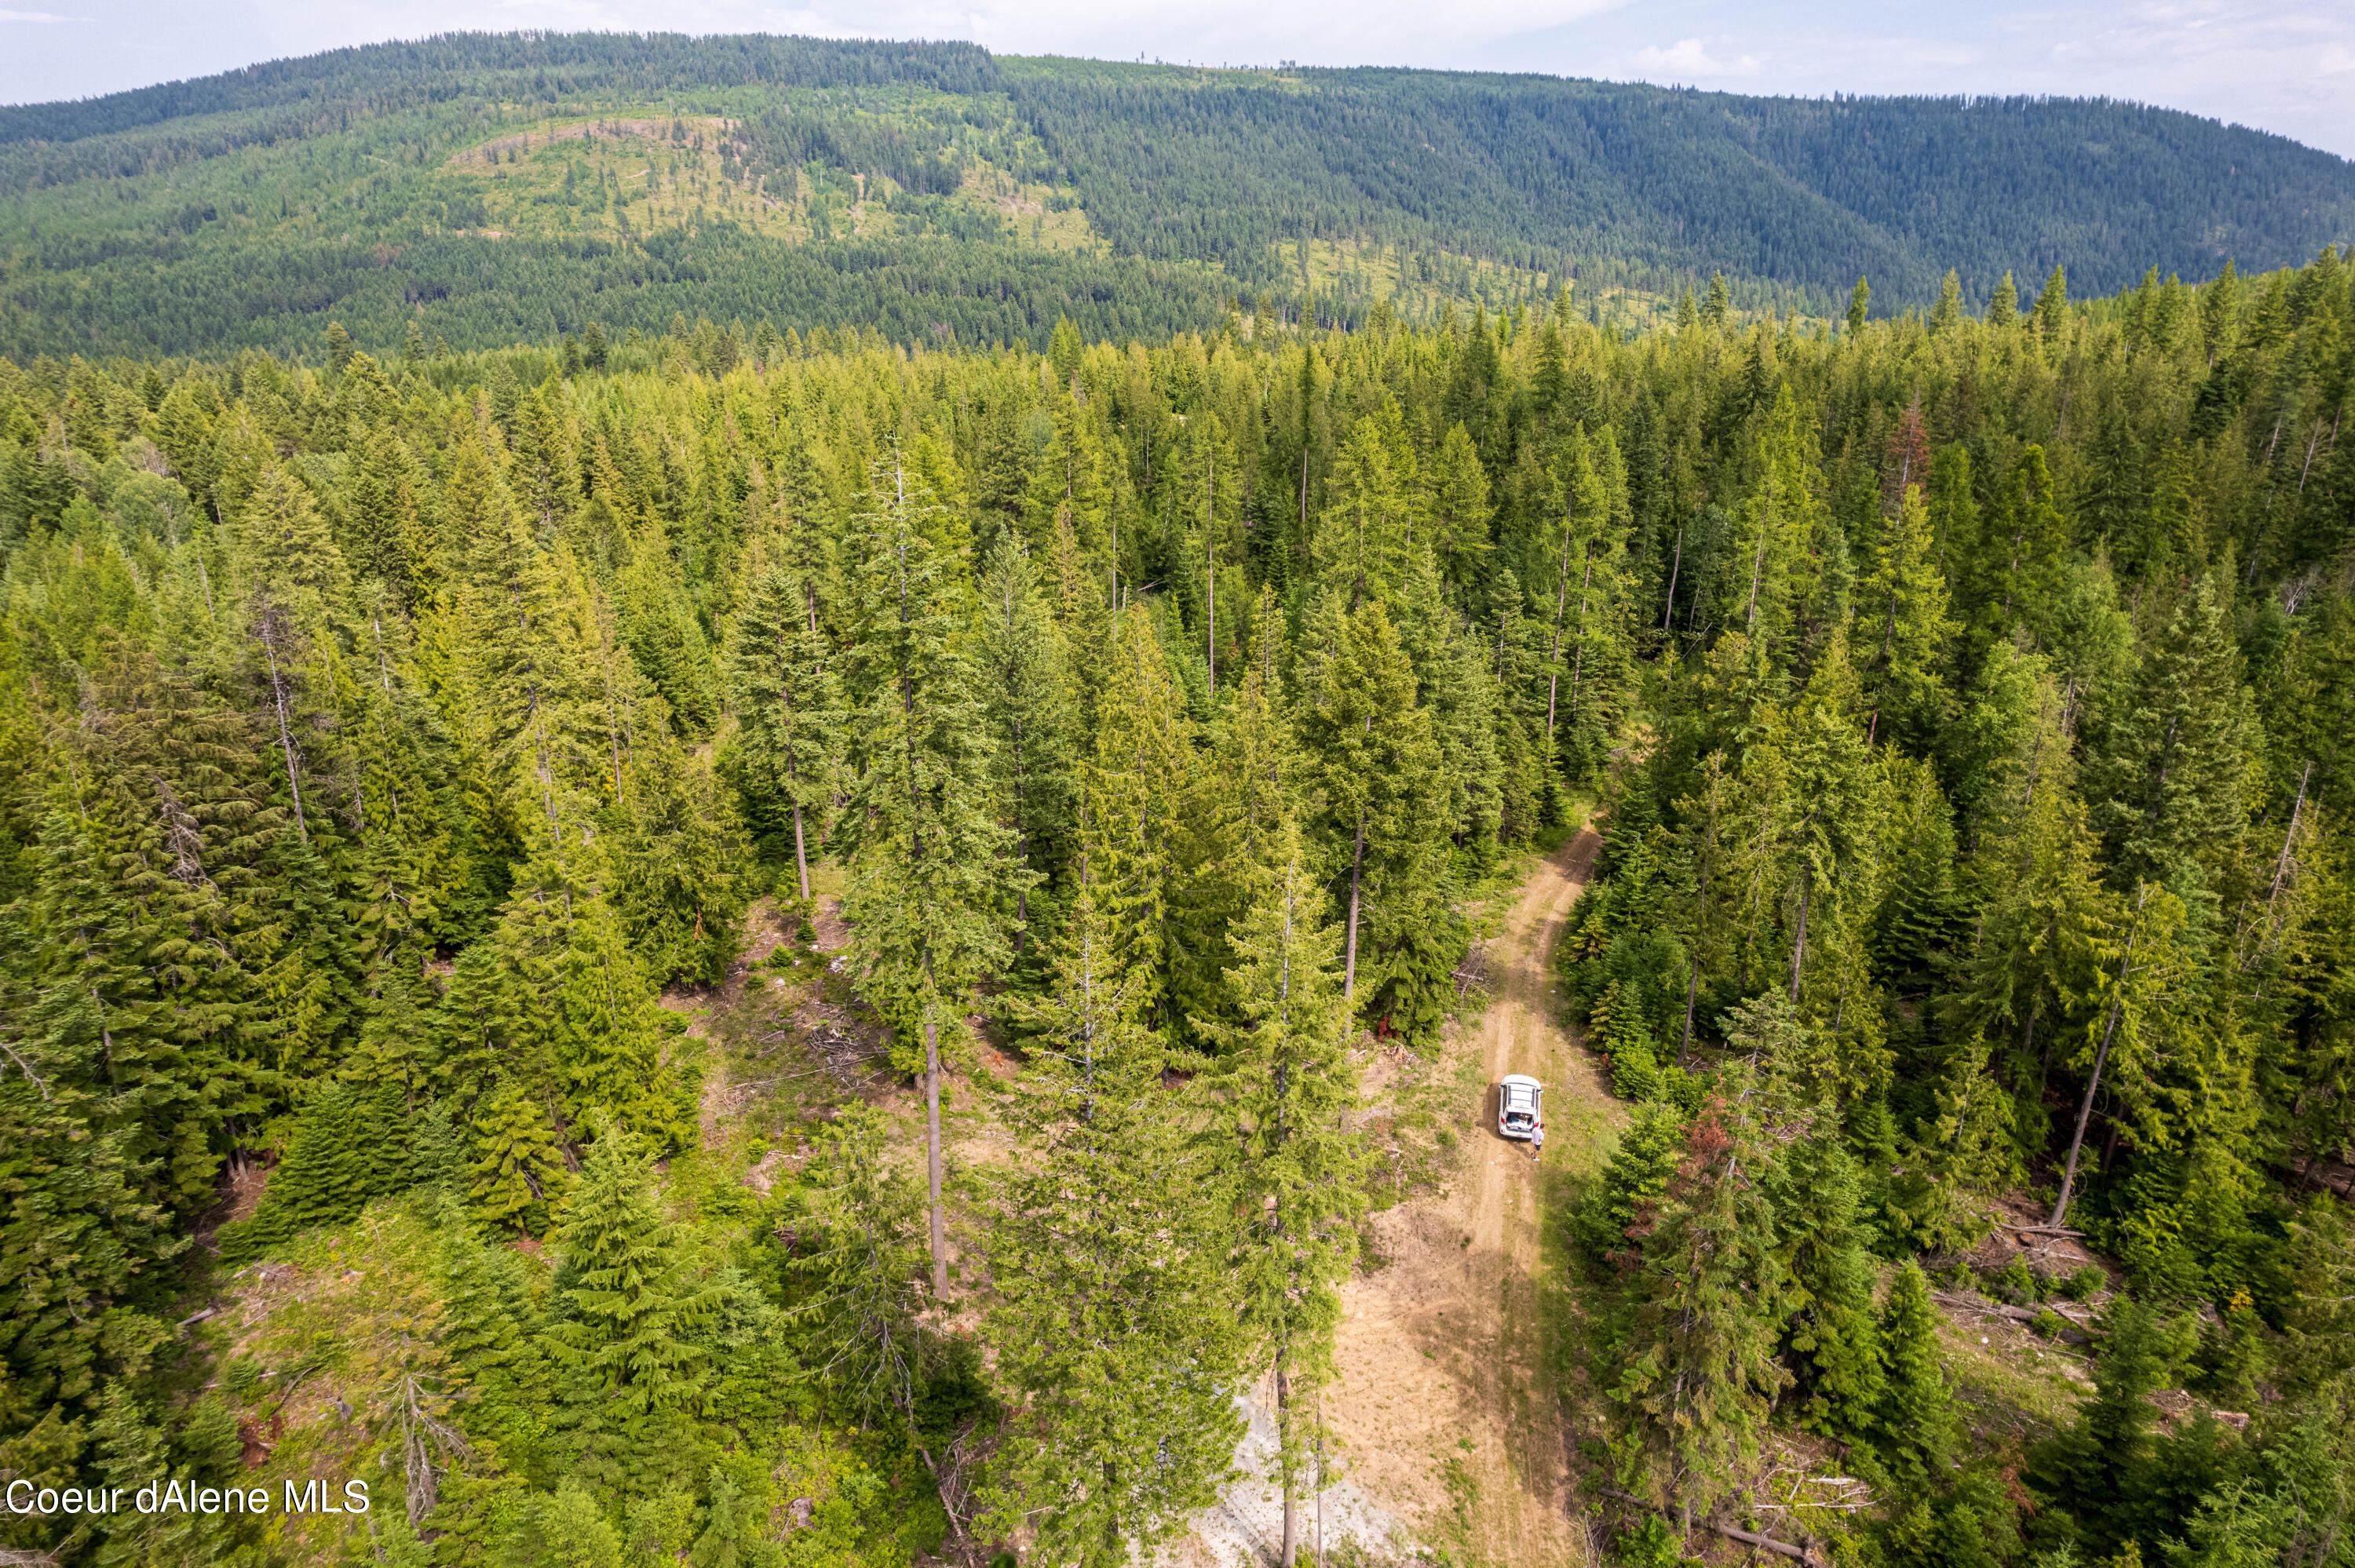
<point>1519,1108</point>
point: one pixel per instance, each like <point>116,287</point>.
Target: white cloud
<point>1689,59</point>
<point>37,17</point>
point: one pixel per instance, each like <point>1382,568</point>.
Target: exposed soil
<point>523,141</point>
<point>1447,1405</point>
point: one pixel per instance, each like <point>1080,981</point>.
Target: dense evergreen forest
<point>490,190</point>
<point>1966,700</point>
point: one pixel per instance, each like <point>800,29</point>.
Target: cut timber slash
<point>1733,1532</point>
<point>2076,1333</point>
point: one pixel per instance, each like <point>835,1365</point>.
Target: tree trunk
<point>1283,1465</point>
<point>1578,661</point>
<point>1301,543</point>
<point>1021,841</point>
<point>2094,1084</point>
<point>285,734</point>
<point>1669,611</point>
<point>2281,866</point>
<point>1799,946</point>
<point>933,1156</point>
<point>1318,1475</point>
<point>1357,872</point>
<point>1700,914</point>
<point>800,851</point>
<point>1757,571</point>
<point>1692,991</point>
<point>1560,603</point>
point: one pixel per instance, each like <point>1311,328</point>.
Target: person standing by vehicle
<point>1537,1143</point>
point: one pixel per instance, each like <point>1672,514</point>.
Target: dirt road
<point>1446,1402</point>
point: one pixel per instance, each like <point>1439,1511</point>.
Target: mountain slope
<point>497,187</point>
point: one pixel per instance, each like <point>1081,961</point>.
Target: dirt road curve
<point>1446,1401</point>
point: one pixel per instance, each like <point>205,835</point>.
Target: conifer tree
<point>1831,1334</point>
<point>1915,1422</point>
<point>1959,1160</point>
<point>2003,303</point>
<point>128,1442</point>
<point>1948,311</point>
<point>492,1338</point>
<point>1133,810</point>
<point>1773,587</point>
<point>928,861</point>
<point>2052,305</point>
<point>1107,1252</point>
<point>1361,542</point>
<point>1021,657</point>
<point>664,640</point>
<point>410,860</point>
<point>672,863</point>
<point>525,680</point>
<point>2140,972</point>
<point>732,1536</point>
<point>1076,480</point>
<point>2169,754</point>
<point>1953,508</point>
<point>519,1172</point>
<point>391,540</point>
<point>1457,685</point>
<point>1585,621</point>
<point>342,1153</point>
<point>1209,482</point>
<point>566,1529</point>
<point>290,578</point>
<point>623,1325</point>
<point>157,786</point>
<point>1457,506</point>
<point>1701,1370</point>
<point>1624,1207</point>
<point>870,1341</point>
<point>78,1232</point>
<point>2038,882</point>
<point>1382,830</point>
<point>1284,1084</point>
<point>1906,594</point>
<point>2022,559</point>
<point>2090,1467</point>
<point>1250,789</point>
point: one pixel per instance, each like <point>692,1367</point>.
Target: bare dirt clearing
<point>1447,1407</point>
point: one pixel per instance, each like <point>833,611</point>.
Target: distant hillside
<point>491,188</point>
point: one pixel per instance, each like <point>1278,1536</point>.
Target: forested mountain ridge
<point>501,189</point>
<point>1970,694</point>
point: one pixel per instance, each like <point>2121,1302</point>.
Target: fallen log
<point>2074,1334</point>
<point>1731,1533</point>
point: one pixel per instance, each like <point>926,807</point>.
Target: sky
<point>2285,66</point>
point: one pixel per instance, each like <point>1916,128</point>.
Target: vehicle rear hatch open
<point>1520,1105</point>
